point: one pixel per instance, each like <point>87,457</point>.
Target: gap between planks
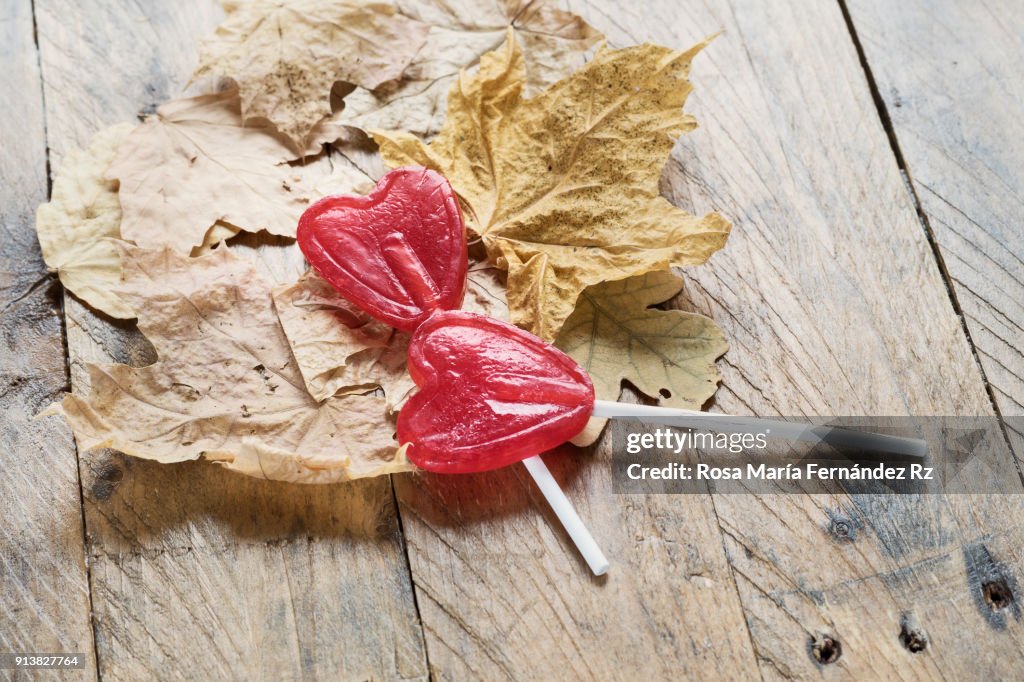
<point>67,364</point>
<point>922,216</point>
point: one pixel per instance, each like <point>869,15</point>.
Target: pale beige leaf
<point>343,178</point>
<point>666,354</point>
<point>264,461</point>
<point>325,332</point>
<point>83,215</point>
<point>226,385</point>
<point>485,291</point>
<point>590,433</point>
<point>195,164</point>
<point>217,234</point>
<point>286,55</point>
<point>563,187</point>
<point>384,367</point>
<point>555,42</point>
<point>341,350</point>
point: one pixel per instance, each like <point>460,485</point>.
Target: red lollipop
<point>398,253</point>
<point>490,395</point>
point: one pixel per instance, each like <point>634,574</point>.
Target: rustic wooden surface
<point>194,569</point>
<point>947,74</point>
<point>833,303</point>
<point>837,297</point>
<point>44,592</point>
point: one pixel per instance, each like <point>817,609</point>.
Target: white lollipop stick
<point>563,508</point>
<point>724,423</point>
<point>672,416</point>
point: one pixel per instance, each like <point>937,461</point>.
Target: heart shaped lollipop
<point>490,395</point>
<point>398,253</point>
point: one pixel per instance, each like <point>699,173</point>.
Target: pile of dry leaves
<point>553,143</point>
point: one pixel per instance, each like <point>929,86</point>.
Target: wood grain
<point>504,595</point>
<point>44,592</point>
<point>948,75</point>
<point>199,572</point>
<point>829,292</point>
<point>834,304</point>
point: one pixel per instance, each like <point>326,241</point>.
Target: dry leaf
<point>328,334</point>
<point>340,349</point>
<point>666,354</point>
<point>83,215</point>
<point>343,178</point>
<point>554,42</point>
<point>325,331</point>
<point>226,386</point>
<point>563,187</point>
<point>217,234</point>
<point>485,291</point>
<point>590,433</point>
<point>286,56</point>
<point>194,164</point>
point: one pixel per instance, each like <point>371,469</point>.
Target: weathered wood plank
<point>949,76</point>
<point>503,594</point>
<point>44,591</point>
<point>197,572</point>
<point>833,304</point>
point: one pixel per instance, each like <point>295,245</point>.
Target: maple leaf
<point>326,333</point>
<point>666,354</point>
<point>563,187</point>
<point>340,349</point>
<point>219,233</point>
<point>83,215</point>
<point>554,42</point>
<point>286,56</point>
<point>225,386</point>
<point>194,164</point>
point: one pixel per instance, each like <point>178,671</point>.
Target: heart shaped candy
<point>398,253</point>
<point>490,395</point>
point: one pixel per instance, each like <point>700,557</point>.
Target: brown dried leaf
<point>563,187</point>
<point>325,332</point>
<point>76,227</point>
<point>194,164</point>
<point>666,354</point>
<point>554,42</point>
<point>286,56</point>
<point>226,386</point>
<point>590,433</point>
<point>343,178</point>
<point>485,291</point>
<point>217,234</point>
<point>340,349</point>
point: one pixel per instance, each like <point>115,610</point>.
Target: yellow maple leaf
<point>286,56</point>
<point>563,187</point>
<point>226,386</point>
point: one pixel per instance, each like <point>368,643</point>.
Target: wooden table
<point>871,156</point>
